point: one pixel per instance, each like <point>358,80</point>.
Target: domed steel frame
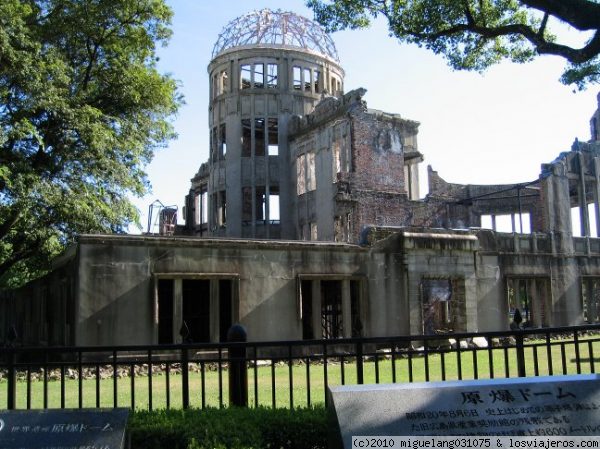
<point>278,28</point>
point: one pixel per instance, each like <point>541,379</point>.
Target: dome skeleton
<point>275,28</point>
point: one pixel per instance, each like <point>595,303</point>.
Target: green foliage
<point>82,109</point>
<point>234,428</point>
<point>475,34</point>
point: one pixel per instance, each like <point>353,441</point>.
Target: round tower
<point>266,67</point>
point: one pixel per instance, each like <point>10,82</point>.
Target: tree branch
<point>581,14</point>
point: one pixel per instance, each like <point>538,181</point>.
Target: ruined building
<point>306,222</point>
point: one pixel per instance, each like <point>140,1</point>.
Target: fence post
<point>185,379</point>
<point>359,363</point>
<point>12,380</point>
<point>520,355</point>
<point>238,374</point>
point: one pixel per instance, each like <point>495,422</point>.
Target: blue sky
<point>498,127</point>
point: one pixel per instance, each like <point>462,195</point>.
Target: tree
<point>475,34</point>
<point>82,110</point>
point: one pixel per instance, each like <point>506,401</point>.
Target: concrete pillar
<point>346,309</point>
<point>583,211</point>
<point>316,309</point>
<point>177,309</point>
<point>597,194</point>
<point>213,310</point>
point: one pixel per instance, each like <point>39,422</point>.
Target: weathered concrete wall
<point>116,282</point>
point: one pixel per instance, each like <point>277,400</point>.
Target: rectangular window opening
<point>222,209</point>
<point>271,76</point>
<point>316,80</point>
<point>246,138</point>
<point>204,207</point>
<point>273,132</point>
<point>260,203</point>
<point>224,82</point>
<point>222,142</point>
<point>311,179</point>
<point>300,174</point>
<point>259,137</point>
<point>246,76</point>
<point>297,78</point>
<point>331,309</point>
<point>246,205</point>
<point>274,213</point>
<point>307,80</point>
<point>259,76</point>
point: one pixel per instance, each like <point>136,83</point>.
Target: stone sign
<point>537,406</point>
<point>64,429</point>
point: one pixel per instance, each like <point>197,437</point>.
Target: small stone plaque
<point>64,429</point>
<point>537,406</point>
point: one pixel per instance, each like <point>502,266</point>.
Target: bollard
<point>238,374</point>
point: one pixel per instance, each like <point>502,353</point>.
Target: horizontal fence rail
<point>281,373</point>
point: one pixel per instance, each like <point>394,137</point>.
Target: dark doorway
<point>331,309</point>
<point>195,310</point>
<point>165,311</point>
<point>225,308</point>
<point>307,323</point>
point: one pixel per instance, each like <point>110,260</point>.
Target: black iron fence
<point>282,373</point>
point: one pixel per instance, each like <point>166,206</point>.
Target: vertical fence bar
<point>291,375</point>
<point>168,384</point>
<point>393,363</point>
<point>97,385</point>
<point>342,373</point>
<point>376,368</point>
<point>45,380</point>
<point>11,387</point>
<point>520,355</point>
<point>360,375</point>
<point>426,356</point>
<point>591,353</point>
<point>62,386</point>
<point>132,375</point>
<point>536,368</point>
<point>563,358</point>
<point>273,384</point>
<point>29,387</point>
<point>255,376</point>
<point>308,380</point>
<point>549,354</point>
<point>80,379</point>
<point>150,379</point>
<point>325,380</point>
<point>185,379</point>
<point>577,356</point>
<point>458,359</point>
<point>203,383</point>
<point>220,373</point>
<point>506,363</point>
<point>115,397</point>
<point>491,358</point>
<point>443,363</point>
<point>475,365</point>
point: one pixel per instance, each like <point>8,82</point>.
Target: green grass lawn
<point>291,384</point>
